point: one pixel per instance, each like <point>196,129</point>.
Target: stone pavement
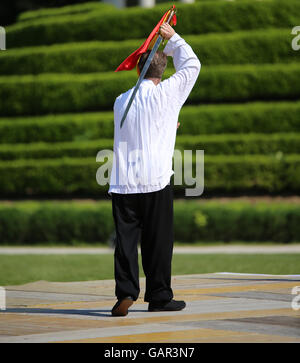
<point>221,307</point>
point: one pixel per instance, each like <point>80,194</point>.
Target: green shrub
<point>24,223</point>
<point>55,177</point>
<point>236,221</point>
<point>248,47</point>
<point>256,117</point>
<point>247,83</point>
<point>55,222</point>
<point>223,174</point>
<point>239,143</point>
<point>77,149</point>
<point>199,18</point>
<point>59,93</point>
<point>32,95</point>
<point>234,174</point>
<point>64,10</point>
<point>12,216</point>
<point>211,144</point>
<point>50,128</point>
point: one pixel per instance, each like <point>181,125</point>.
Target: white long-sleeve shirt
<point>144,146</point>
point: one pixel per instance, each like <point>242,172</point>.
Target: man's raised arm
<point>186,63</point>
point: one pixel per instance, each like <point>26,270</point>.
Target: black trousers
<point>146,218</point>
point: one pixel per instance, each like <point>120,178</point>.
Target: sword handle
<point>172,13</point>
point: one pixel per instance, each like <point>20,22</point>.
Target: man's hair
<point>157,66</point>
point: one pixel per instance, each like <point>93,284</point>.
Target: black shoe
<point>172,305</point>
<point>121,306</point>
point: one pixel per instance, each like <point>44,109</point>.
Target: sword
<point>145,68</point>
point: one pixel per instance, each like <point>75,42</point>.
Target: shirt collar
<point>147,82</point>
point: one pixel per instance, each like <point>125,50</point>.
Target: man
<point>142,197</point>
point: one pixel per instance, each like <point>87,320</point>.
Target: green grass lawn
<point>20,269</point>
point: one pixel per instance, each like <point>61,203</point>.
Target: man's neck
<point>156,81</point>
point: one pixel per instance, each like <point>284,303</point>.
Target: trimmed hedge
<point>199,18</point>
<point>57,128</point>
<point>68,222</point>
<point>212,145</point>
<point>64,10</point>
<point>32,95</point>
<point>223,174</point>
<point>75,149</point>
<point>238,143</point>
<point>195,120</point>
<point>232,221</point>
<point>258,117</point>
<point>248,47</point>
<point>55,221</point>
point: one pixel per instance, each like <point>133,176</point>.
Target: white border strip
<point>250,274</point>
